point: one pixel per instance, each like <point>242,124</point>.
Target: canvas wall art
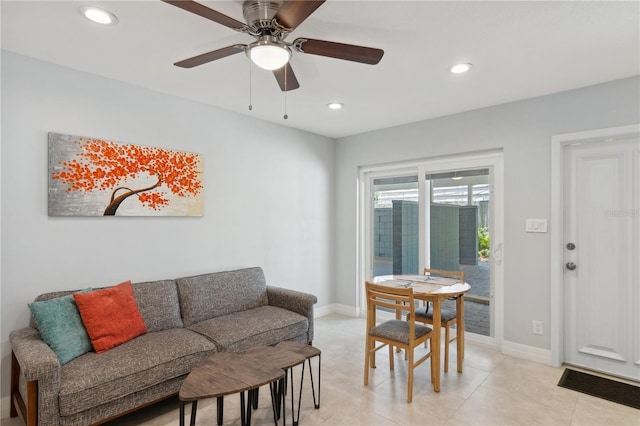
<point>95,177</point>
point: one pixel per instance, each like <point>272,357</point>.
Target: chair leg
<point>431,360</point>
<point>367,354</point>
<point>410,376</point>
<point>391,365</point>
<point>446,348</point>
<point>372,353</point>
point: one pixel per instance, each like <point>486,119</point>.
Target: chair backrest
<point>450,274</point>
<point>398,299</point>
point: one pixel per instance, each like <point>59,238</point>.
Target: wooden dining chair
<point>402,334</point>
<point>448,316</point>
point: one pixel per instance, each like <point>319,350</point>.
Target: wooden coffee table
<point>278,357</point>
<point>227,373</point>
<point>308,352</point>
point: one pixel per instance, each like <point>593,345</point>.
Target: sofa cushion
<point>158,304</point>
<point>265,325</point>
<point>207,296</point>
<point>110,315</point>
<point>61,327</point>
<point>94,379</point>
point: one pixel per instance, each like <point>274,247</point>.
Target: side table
<point>308,352</point>
<point>224,374</point>
<point>275,356</point>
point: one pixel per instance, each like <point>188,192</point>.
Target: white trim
<point>530,353</point>
<point>337,308</point>
<point>424,225</point>
<point>362,223</point>
<point>323,311</point>
<point>556,225</point>
<point>485,341</point>
<point>392,168</point>
<point>5,407</point>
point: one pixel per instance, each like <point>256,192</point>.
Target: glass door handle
<point>497,253</point>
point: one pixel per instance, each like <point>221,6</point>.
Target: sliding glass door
<point>442,215</point>
<point>459,237</point>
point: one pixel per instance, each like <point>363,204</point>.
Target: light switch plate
<point>536,225</point>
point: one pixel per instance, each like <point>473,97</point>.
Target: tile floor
<point>493,390</point>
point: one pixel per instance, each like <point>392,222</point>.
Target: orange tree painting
<point>115,173</point>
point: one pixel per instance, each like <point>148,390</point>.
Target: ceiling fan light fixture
<point>97,15</point>
<point>268,54</point>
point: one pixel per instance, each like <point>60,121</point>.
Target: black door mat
<point>611,390</point>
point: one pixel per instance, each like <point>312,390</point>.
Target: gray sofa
<point>187,320</point>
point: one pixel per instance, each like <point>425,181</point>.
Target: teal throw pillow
<point>61,327</point>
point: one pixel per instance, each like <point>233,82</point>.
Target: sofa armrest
<point>295,301</point>
<point>35,362</point>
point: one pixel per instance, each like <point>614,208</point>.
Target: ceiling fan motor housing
<point>259,14</point>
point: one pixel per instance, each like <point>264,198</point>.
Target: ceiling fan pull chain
<point>285,91</point>
<point>250,100</point>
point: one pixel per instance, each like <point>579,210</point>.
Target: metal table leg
<point>313,391</point>
<point>220,403</point>
<point>194,408</point>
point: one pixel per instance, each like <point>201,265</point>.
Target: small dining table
<point>435,290</point>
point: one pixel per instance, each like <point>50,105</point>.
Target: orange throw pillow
<point>110,315</point>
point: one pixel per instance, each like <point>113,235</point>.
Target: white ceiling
<point>519,50</point>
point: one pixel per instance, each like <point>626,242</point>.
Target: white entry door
<point>601,256</point>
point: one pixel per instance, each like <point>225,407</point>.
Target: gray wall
<point>523,130</point>
<point>268,193</point>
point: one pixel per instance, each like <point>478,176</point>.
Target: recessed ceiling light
<point>335,105</point>
<point>99,16</point>
<point>460,68</point>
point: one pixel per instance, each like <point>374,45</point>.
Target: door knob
<point>571,266</point>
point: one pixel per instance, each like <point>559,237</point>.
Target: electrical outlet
<point>537,327</point>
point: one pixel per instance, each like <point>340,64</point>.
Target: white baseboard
<point>484,341</point>
<point>530,353</point>
<point>322,311</point>
<point>5,407</point>
<point>336,308</point>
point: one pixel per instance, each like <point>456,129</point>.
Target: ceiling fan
<point>270,22</point>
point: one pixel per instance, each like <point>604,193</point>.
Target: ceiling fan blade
<point>205,12</point>
<point>348,52</point>
<point>291,80</point>
<point>211,56</point>
<point>293,13</point>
